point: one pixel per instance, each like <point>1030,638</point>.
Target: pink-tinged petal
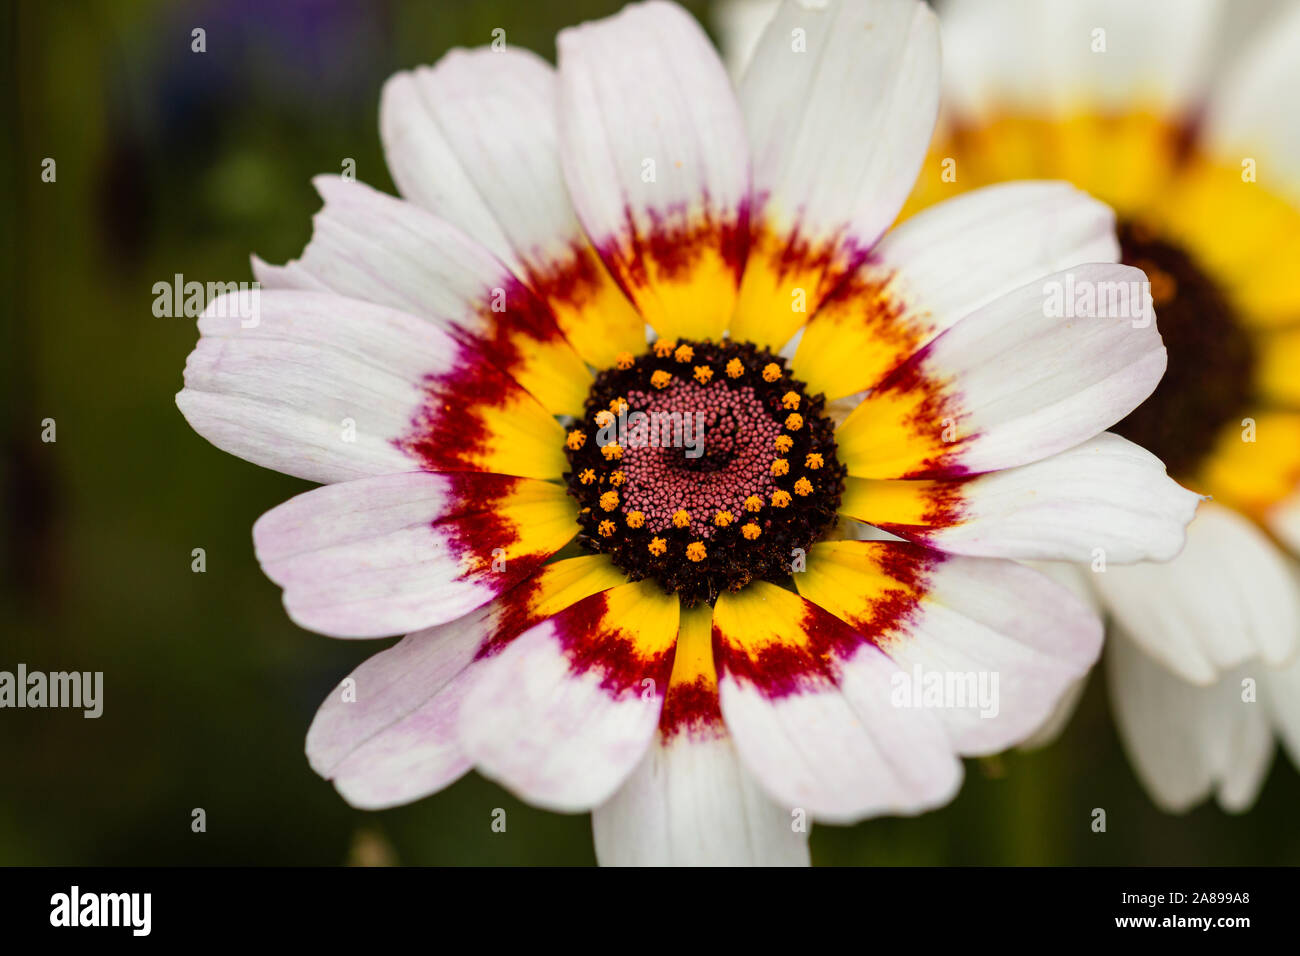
<point>690,802</point>
<point>1037,371</point>
<point>1052,728</point>
<point>370,246</point>
<point>330,389</point>
<point>839,101</point>
<point>433,124</point>
<point>940,266</point>
<point>566,711</point>
<point>809,703</point>
<point>1106,497</point>
<point>473,140</point>
<point>416,757</point>
<point>1075,578</point>
<point>387,734</point>
<point>1005,641</point>
<point>654,153</point>
<point>1228,597</point>
<point>1185,741</point>
<point>381,556</point>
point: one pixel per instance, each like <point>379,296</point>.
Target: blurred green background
<point>172,161</point>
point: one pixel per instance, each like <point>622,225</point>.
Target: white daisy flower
<point>665,631</point>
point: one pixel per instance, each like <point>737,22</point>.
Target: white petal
<point>1047,55</point>
<point>330,389</point>
<point>279,394</point>
<point>739,24</point>
<point>690,802</point>
<point>1075,578</point>
<point>809,704</point>
<point>843,753</point>
<point>1280,691</point>
<point>1107,497</point>
<point>1252,111</point>
<point>1072,577</point>
<point>1226,598</point>
<point>1052,728</point>
<point>943,264</point>
<point>558,717</point>
<point>1185,741</point>
<point>393,554</point>
<point>1035,372</point>
<point>654,153</point>
<point>386,735</point>
<point>1000,642</point>
<point>475,140</point>
<point>1007,621</point>
<point>472,140</point>
<point>840,102</point>
<point>371,246</point>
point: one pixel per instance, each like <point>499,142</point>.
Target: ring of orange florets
<point>739,497</point>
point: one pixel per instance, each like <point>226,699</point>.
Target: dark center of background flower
<point>1211,358</point>
<point>703,465</point>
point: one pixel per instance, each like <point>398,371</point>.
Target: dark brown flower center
<point>703,465</point>
<point>1211,357</point>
